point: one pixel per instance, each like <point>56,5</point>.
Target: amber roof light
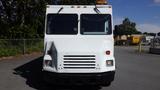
<point>101,2</point>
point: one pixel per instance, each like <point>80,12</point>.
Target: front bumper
<point>80,78</point>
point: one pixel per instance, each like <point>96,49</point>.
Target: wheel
<point>106,84</point>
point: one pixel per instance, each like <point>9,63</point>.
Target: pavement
<point>135,71</point>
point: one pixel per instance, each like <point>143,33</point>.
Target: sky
<point>145,13</point>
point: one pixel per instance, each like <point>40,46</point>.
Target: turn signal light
<point>108,52</point>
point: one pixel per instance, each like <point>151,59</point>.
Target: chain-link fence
<point>11,47</point>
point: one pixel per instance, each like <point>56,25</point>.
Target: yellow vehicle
<point>135,39</point>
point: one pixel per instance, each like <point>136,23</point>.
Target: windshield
<point>96,24</point>
<point>62,24</point>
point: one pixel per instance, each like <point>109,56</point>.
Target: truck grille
<point>79,61</point>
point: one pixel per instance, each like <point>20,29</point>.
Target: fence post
<point>24,45</point>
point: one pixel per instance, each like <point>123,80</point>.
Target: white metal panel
<point>81,44</point>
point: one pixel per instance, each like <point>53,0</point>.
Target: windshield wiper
<point>96,10</point>
<point>59,10</point>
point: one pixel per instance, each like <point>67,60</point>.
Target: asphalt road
<point>135,71</point>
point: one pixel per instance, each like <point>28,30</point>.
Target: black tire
<point>45,79</point>
<point>106,84</point>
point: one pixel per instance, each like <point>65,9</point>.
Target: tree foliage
<point>158,33</point>
<point>150,34</point>
<point>126,28</point>
<point>25,18</point>
<point>22,18</point>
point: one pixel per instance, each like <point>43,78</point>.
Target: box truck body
<point>79,44</point>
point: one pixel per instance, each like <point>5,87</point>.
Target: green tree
<point>25,18</point>
<point>126,28</point>
<point>152,34</point>
<point>22,18</point>
<point>158,33</point>
<point>145,33</point>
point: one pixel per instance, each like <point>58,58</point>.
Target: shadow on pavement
<point>31,71</point>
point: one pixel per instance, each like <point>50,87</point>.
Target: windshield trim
<point>60,14</point>
<point>96,33</point>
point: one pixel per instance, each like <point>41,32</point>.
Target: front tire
<point>106,84</point>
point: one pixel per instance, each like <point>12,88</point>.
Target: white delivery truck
<point>79,44</point>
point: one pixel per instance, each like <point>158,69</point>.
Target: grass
<point>16,47</point>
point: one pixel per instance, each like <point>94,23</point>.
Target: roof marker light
<point>85,7</point>
<point>78,6</point>
<point>72,6</point>
<point>101,2</point>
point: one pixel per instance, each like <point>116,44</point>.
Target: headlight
<point>109,63</point>
<point>47,60</point>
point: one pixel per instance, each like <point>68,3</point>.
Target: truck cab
<point>79,44</point>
